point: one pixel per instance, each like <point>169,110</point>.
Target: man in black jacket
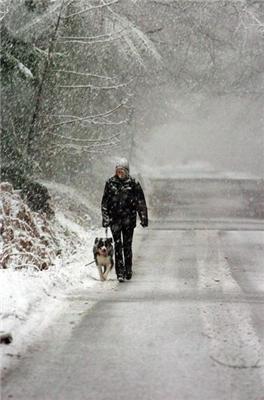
<point>122,200</point>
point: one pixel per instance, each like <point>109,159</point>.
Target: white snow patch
<point>30,300</point>
<point>25,71</point>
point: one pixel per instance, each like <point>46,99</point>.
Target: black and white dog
<point>103,256</point>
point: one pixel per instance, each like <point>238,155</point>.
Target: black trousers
<point>123,237</point>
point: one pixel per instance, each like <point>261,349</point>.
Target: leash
<point>86,265</point>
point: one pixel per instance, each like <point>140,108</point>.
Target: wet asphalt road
<point>190,325</point>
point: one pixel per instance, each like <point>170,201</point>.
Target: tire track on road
<point>232,340</point>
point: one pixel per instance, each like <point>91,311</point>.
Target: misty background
<point>176,86</point>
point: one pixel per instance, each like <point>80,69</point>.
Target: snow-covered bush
<point>27,238</point>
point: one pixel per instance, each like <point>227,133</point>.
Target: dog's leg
<point>100,273</point>
<point>107,270</point>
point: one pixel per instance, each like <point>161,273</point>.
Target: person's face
<point>121,173</point>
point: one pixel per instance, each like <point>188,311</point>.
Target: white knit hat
<point>123,163</point>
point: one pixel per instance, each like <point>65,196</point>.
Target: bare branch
<point>135,33</point>
<point>103,140</point>
<point>256,21</point>
<point>4,9</point>
<point>91,117</point>
<point>80,150</point>
<point>20,222</point>
<point>86,74</point>
<point>94,87</point>
<point>91,8</point>
<point>94,122</point>
<point>91,38</point>
<point>26,253</point>
<point>83,148</point>
<point>110,38</point>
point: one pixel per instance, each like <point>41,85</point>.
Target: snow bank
<point>28,238</point>
<point>30,298</point>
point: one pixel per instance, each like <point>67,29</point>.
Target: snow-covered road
<point>189,326</point>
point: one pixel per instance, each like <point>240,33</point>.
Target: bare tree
<point>215,44</point>
<point>83,90</point>
<point>91,83</point>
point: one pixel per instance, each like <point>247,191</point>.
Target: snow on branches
<point>27,239</point>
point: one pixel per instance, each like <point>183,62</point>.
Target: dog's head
<point>103,246</point>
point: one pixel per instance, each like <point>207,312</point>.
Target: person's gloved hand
<point>105,222</point>
<point>144,223</point>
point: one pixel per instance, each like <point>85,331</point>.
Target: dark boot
<point>129,275</point>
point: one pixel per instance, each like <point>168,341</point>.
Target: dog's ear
<point>110,240</point>
<point>96,240</point>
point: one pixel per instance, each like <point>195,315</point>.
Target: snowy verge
<point>31,300</point>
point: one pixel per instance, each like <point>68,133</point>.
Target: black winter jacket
<point>122,200</point>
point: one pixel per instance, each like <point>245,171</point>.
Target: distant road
<point>207,204</point>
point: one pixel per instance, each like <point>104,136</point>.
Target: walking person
<point>122,200</point>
